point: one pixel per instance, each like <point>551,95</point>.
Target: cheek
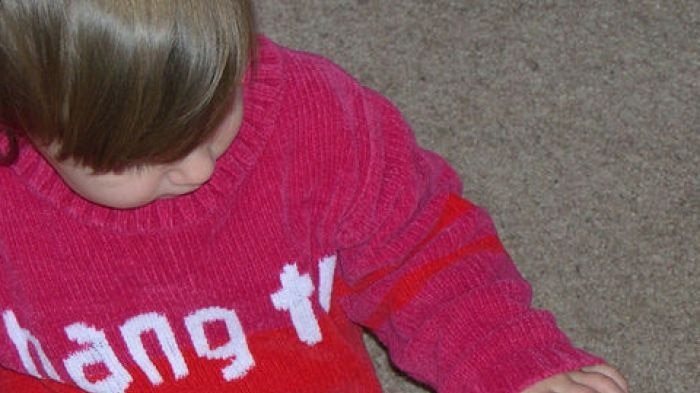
<point>221,143</point>
<point>120,195</point>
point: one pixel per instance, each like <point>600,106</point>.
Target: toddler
<point>190,207</point>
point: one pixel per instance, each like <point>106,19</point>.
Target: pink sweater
<point>322,217</point>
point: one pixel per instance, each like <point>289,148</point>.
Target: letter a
<point>98,351</point>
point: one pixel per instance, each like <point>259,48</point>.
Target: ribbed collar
<point>262,87</point>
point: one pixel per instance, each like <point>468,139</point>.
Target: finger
<point>610,372</point>
<point>553,384</point>
<point>599,382</point>
<point>574,387</point>
<point>561,383</point>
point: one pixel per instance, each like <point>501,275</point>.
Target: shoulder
<point>312,76</point>
<point>322,102</point>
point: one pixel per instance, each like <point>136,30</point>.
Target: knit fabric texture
<point>323,217</point>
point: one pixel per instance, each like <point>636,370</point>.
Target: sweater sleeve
<point>428,275</point>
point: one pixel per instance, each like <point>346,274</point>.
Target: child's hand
<point>594,379</point>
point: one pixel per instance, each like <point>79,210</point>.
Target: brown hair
<point>121,83</point>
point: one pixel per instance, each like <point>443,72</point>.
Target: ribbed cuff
<point>517,371</point>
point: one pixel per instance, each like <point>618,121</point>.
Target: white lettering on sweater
<point>132,330</point>
<point>21,338</point>
<point>98,351</point>
<point>294,297</point>
<point>95,351</point>
<point>326,270</point>
<point>236,348</point>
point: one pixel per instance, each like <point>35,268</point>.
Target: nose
<point>193,170</point>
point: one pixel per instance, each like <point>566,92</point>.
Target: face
<point>141,186</point>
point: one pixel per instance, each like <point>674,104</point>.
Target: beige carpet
<point>577,125</point>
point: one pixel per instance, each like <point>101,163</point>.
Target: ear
<point>9,149</point>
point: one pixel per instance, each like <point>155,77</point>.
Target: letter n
<point>132,330</point>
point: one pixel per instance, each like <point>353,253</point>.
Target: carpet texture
<point>577,125</point>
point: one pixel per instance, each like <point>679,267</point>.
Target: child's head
<point>113,85</point>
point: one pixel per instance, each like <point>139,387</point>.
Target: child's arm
<point>430,277</point>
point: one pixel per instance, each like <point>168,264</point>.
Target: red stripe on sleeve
<point>408,287</point>
<point>455,206</point>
